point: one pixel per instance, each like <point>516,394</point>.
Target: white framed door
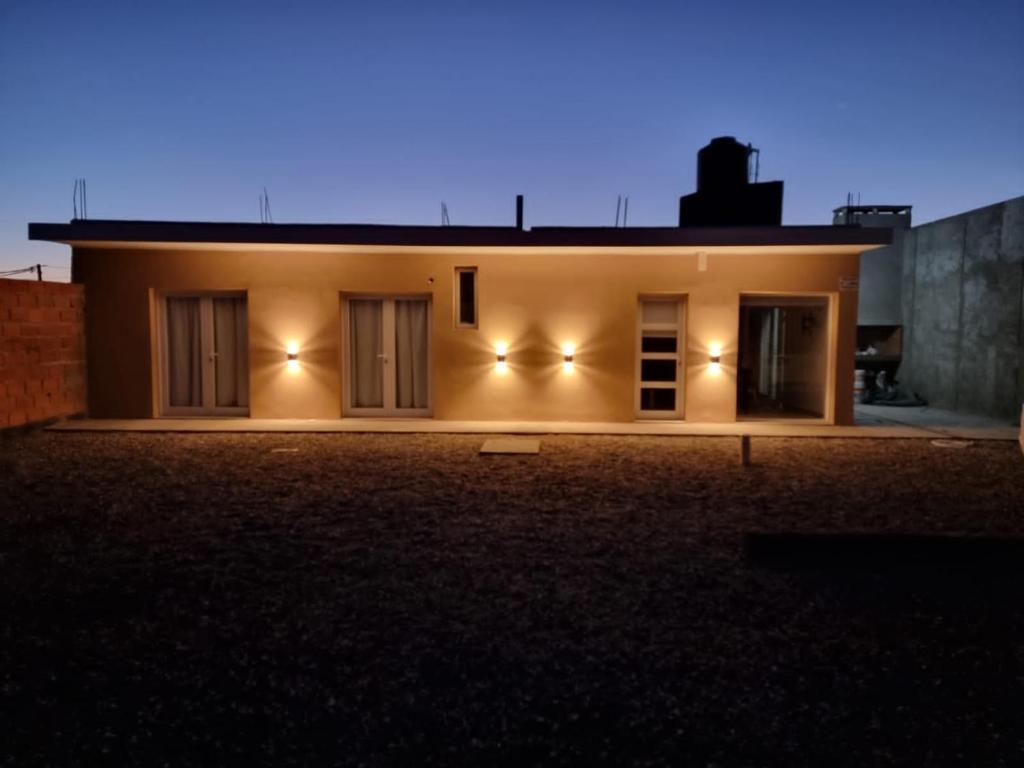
<point>388,356</point>
<point>660,343</point>
<point>204,354</point>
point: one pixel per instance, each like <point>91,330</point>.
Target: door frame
<point>206,344</point>
<point>388,410</point>
<point>831,360</point>
<point>680,354</point>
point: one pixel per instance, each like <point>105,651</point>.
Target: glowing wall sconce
<point>501,353</point>
<point>292,351</point>
<point>715,359</point>
<point>568,352</point>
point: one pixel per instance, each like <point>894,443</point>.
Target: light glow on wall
<point>292,351</point>
<point>715,359</point>
<point>501,354</point>
<point>568,354</point>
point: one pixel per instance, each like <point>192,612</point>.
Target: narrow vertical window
<point>465,297</point>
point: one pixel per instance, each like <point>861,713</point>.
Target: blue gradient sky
<point>377,111</point>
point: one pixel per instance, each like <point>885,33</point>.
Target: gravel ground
<point>399,600</point>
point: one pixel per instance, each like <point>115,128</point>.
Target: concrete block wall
<point>42,351</point>
<point>963,311</point>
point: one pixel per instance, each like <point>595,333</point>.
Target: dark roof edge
<point>81,230</point>
<point>869,208</point>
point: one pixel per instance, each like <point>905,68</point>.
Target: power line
<point>36,268</point>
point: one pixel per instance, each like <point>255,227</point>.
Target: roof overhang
<point>114,233</point>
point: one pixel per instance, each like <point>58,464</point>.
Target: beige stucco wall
<point>533,299</point>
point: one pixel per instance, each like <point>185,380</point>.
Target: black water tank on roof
<point>722,165</point>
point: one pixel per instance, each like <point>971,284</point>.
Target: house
<point>467,323</point>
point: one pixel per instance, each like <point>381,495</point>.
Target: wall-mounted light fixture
<point>715,359</point>
<point>292,352</point>
<point>501,354</point>
<point>568,352</point>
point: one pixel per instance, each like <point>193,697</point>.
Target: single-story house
<point>469,323</point>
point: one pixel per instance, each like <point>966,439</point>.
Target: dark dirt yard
<point>399,600</point>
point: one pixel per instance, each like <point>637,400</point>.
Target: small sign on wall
<point>849,283</point>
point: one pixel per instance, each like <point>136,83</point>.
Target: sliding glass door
<point>388,372</point>
<point>204,355</point>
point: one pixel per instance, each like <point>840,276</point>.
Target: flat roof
<point>113,230</point>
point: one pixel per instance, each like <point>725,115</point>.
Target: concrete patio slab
<point>949,423</point>
<point>664,428</point>
<point>505,445</point>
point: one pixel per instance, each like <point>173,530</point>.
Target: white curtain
<point>184,362</point>
<point>230,342</point>
<point>366,328</point>
<point>411,353</point>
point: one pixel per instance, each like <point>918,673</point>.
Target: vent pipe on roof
<point>519,211</point>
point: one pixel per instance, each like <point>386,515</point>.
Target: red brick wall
<point>42,351</point>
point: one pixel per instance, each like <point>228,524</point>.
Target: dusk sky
<point>378,111</point>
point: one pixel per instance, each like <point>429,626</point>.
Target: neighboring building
<point>725,196</point>
<point>879,306</point>
<point>488,323</point>
<point>954,289</point>
<point>880,302</point>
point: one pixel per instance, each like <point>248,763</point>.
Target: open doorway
<point>783,357</point>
